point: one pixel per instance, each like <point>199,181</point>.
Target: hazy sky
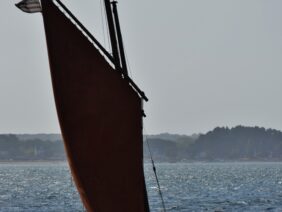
<point>202,63</point>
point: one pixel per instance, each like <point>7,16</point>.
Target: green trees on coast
<point>12,148</point>
<point>221,144</point>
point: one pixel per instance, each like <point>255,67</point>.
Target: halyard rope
<point>155,173</point>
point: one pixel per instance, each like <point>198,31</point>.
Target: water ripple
<point>35,187</point>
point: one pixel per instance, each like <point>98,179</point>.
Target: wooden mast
<point>112,32</point>
<point>119,37</point>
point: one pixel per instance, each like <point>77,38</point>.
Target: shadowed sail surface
<point>100,116</point>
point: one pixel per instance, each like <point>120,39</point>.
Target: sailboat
<point>99,107</point>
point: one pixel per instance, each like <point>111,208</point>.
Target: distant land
<point>221,144</point>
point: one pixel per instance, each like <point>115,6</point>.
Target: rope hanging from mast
<point>156,175</point>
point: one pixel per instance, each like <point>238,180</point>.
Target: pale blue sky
<point>202,63</point>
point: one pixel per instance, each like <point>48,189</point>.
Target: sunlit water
<point>35,187</point>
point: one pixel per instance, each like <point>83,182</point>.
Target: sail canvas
<point>100,117</point>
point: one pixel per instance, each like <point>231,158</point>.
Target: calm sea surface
<point>35,187</point>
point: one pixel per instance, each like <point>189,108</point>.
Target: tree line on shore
<point>221,144</point>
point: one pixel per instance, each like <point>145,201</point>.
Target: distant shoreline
<point>32,161</point>
<point>222,144</point>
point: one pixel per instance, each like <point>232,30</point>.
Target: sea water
<point>35,187</point>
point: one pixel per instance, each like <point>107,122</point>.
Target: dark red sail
<point>100,116</point>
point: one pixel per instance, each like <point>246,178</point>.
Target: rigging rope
<point>155,173</point>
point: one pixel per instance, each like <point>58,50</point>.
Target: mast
<point>112,33</point>
<point>120,41</point>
